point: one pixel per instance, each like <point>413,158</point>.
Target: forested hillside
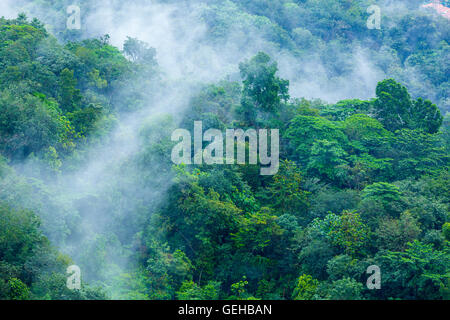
<point>86,176</point>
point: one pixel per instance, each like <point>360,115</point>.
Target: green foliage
<point>28,125</point>
<point>419,272</point>
<point>416,153</point>
<point>139,51</point>
<point>19,234</point>
<point>326,160</point>
<point>305,131</point>
<point>306,288</point>
<point>346,108</point>
<point>395,109</point>
<point>446,230</point>
<point>394,234</point>
<point>191,291</point>
<point>257,231</point>
<point>70,96</point>
<point>18,290</point>
<point>346,231</point>
<point>263,90</point>
<point>365,133</point>
<point>345,289</point>
<point>385,196</point>
<point>392,105</point>
<point>285,193</point>
<point>239,290</point>
<point>29,267</point>
<point>344,266</point>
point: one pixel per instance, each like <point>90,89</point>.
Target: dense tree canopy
<point>85,164</point>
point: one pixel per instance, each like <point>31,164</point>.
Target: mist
<point>181,36</point>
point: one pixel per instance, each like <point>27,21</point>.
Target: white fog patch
<point>309,78</point>
<point>8,9</point>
